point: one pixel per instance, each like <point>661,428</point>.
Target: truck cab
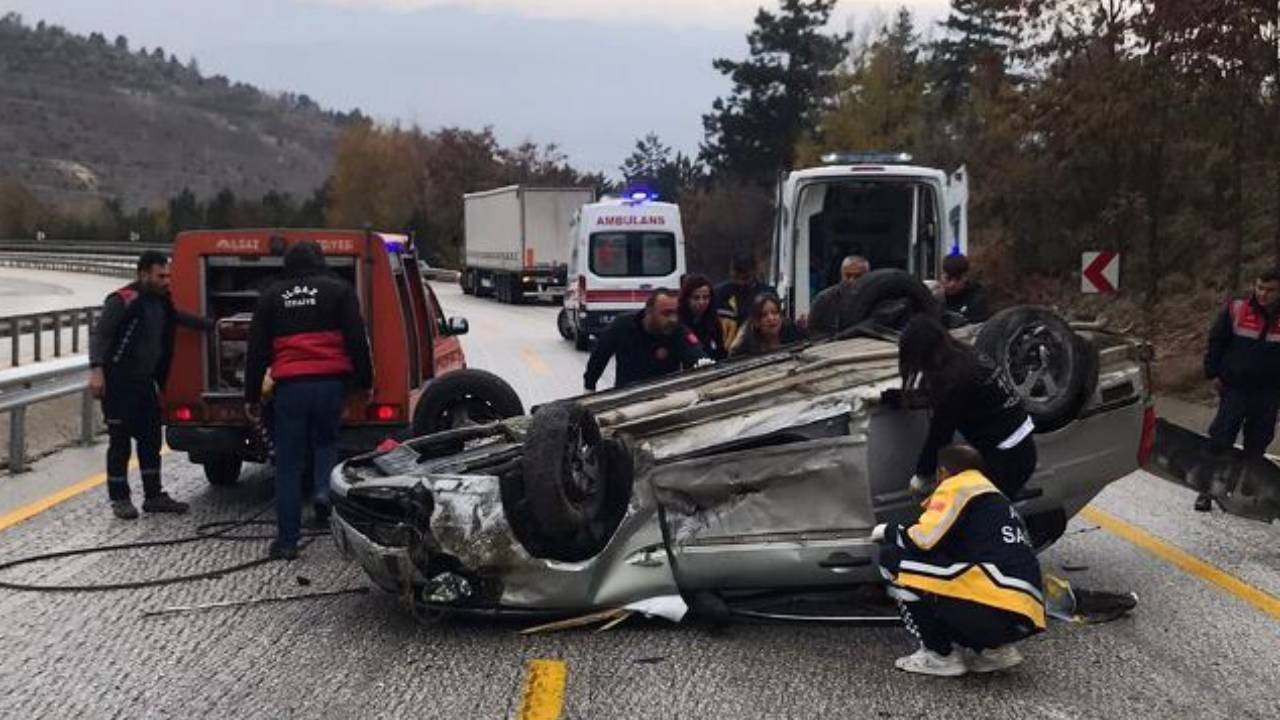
<point>220,274</point>
<point>877,205</point>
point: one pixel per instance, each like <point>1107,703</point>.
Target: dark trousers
<point>1010,469</point>
<point>1251,411</point>
<point>306,417</point>
<point>132,411</point>
<point>939,622</point>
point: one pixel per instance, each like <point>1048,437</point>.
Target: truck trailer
<point>517,242</point>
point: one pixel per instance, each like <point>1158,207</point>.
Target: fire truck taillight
<point>183,413</point>
<point>384,413</point>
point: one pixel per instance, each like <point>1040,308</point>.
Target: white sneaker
<point>993,660</point>
<point>927,662</point>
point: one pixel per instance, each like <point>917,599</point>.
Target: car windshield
<point>633,254</point>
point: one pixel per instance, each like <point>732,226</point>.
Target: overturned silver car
<point>764,475</point>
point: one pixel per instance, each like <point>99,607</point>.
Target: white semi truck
<point>517,242</point>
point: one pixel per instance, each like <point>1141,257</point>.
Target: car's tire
<point>222,471</point>
<point>1054,370</point>
<point>462,398</point>
<point>880,288</point>
<point>564,325</point>
<point>576,484</point>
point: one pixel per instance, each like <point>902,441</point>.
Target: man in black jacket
<point>733,299</point>
<point>307,327</point>
<point>130,351</point>
<point>645,344</point>
<point>1243,360</point>
<point>961,293</point>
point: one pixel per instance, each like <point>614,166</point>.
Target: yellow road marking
<point>534,361</point>
<point>542,697</point>
<point>1260,599</point>
<point>31,509</point>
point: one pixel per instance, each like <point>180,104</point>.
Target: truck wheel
<point>463,398</point>
<point>563,324</point>
<point>576,485</point>
<point>465,279</point>
<point>1054,370</point>
<point>889,296</point>
<point>223,471</point>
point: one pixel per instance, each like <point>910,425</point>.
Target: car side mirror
<point>458,326</point>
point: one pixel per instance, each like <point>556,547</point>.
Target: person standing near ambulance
<point>307,327</point>
<point>1243,360</point>
<point>130,351</point>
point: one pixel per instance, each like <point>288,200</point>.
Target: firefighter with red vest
<point>307,327</point>
<point>130,350</point>
<point>1243,360</point>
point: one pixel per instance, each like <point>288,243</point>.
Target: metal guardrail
<point>50,245</point>
<point>18,327</point>
<point>111,265</point>
<point>26,386</point>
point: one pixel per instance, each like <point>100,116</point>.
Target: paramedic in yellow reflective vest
<point>965,575</point>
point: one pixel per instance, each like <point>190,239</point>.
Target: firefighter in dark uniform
<point>1243,360</point>
<point>646,344</point>
<point>130,351</point>
<point>307,327</point>
<point>964,574</point>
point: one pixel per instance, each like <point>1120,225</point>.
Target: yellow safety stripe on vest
<point>976,585</point>
<point>945,505</point>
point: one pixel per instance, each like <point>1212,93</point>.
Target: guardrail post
<point>17,440</point>
<point>15,332</point>
<point>37,323</point>
<point>88,427</point>
<point>75,331</point>
<point>57,334</point>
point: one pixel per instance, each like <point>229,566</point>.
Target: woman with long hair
<point>697,314</point>
<point>968,395</point>
<point>766,329</point>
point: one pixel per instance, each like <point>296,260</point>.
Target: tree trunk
<point>1237,199</point>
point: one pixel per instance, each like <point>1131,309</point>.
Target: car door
<point>798,513</point>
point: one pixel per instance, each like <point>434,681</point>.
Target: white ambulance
<point>622,250</point>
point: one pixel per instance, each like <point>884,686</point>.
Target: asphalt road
<point>1193,649</point>
<point>30,291</point>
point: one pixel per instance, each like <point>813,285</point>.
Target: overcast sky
<point>589,75</point>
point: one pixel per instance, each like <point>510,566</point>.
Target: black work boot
<point>319,519</point>
<point>280,551</point>
<point>162,503</point>
<point>124,509</point>
<point>1204,503</point>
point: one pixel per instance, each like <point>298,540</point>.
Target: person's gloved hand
<point>704,362</point>
<point>878,532</point>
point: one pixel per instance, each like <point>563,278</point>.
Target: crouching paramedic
<point>965,575</point>
<point>130,351</point>
<point>307,327</point>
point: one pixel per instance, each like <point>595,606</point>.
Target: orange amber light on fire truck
<point>384,413</point>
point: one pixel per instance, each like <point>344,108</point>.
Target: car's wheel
<point>1054,370</point>
<point>563,325</point>
<point>463,398</point>
<point>223,471</point>
<point>576,484</point>
<point>890,297</point>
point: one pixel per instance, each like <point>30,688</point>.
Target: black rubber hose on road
<point>220,531</point>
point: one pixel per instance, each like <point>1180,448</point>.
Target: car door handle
<point>842,562</point>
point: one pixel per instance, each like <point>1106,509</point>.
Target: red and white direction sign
<point>1100,272</point>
